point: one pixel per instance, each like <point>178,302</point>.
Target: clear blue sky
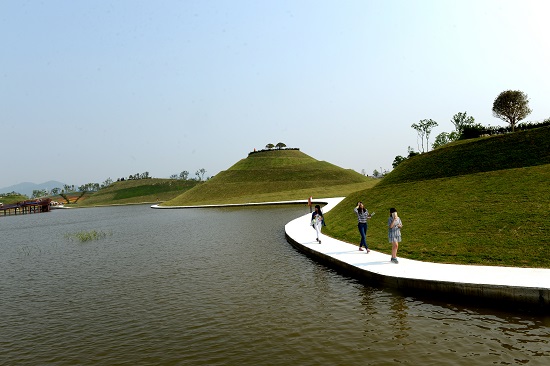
<point>91,90</point>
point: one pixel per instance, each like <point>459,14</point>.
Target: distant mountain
<point>26,188</point>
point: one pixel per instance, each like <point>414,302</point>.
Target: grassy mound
<point>277,175</point>
<point>515,150</point>
<point>138,191</point>
<point>496,217</point>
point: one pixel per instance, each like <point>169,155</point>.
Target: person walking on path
<point>362,217</point>
<point>309,203</point>
<point>317,221</point>
<point>394,233</point>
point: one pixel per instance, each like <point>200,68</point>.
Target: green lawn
<point>493,218</point>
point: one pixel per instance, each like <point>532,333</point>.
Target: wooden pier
<point>26,207</point>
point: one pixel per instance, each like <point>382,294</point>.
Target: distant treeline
<point>12,193</point>
<point>144,175</point>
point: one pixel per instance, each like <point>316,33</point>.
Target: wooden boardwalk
<point>26,207</point>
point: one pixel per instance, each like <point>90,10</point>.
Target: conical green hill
<point>274,175</point>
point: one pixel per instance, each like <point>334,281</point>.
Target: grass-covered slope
<point>138,191</point>
<point>497,217</point>
<point>6,200</point>
<point>515,150</point>
<point>277,175</point>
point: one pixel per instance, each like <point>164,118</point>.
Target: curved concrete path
<point>522,285</point>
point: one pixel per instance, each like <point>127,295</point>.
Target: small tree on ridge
<point>511,106</point>
<point>424,129</point>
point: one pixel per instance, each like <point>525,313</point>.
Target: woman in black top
<point>317,221</point>
<point>362,217</point>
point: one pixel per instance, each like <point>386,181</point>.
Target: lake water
<point>221,287</point>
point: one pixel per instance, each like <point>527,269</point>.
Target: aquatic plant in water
<point>84,236</point>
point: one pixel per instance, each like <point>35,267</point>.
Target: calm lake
<point>221,287</point>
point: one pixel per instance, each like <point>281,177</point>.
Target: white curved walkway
<point>525,284</point>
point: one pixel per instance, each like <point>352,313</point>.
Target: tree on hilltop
<point>398,160</point>
<point>183,175</point>
<point>511,106</point>
<point>269,146</point>
<point>424,129</point>
<point>200,174</point>
<point>460,121</point>
<point>280,145</point>
<point>107,182</point>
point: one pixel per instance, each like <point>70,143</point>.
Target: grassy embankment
<point>7,200</point>
<point>137,191</point>
<point>278,175</point>
<point>482,201</point>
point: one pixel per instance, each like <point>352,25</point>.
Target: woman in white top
<point>394,233</point>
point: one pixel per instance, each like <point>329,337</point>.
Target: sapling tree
<point>461,120</point>
<point>200,174</point>
<point>424,129</point>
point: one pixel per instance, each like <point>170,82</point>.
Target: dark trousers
<point>363,231</point>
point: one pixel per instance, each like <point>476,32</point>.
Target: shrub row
<point>478,130</point>
<point>264,150</point>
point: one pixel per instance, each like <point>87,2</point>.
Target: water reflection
<point>399,314</point>
<point>169,287</point>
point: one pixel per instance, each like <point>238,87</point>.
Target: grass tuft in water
<point>84,236</point>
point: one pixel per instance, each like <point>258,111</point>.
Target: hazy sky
<point>91,90</point>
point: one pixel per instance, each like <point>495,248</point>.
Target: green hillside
<point>276,175</point>
<point>514,150</point>
<point>6,200</point>
<point>138,191</point>
<point>453,213</point>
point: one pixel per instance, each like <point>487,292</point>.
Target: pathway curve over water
<point>523,285</point>
<point>529,286</point>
